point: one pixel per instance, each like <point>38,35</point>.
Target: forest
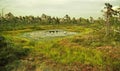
<point>46,43</point>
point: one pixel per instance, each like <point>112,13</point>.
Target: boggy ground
<point>89,50</point>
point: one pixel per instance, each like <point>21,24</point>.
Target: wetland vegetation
<point>46,43</point>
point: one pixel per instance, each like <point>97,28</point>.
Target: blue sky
<point>74,8</point>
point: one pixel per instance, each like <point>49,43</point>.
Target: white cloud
<point>58,7</point>
<point>40,2</point>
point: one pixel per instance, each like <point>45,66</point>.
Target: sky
<point>56,8</point>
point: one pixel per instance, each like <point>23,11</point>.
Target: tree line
<point>111,17</point>
<point>44,19</point>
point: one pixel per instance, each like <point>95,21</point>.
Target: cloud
<point>56,7</point>
<point>37,3</point>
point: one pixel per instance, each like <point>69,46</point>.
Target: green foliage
<point>9,53</point>
<point>72,54</point>
<point>79,50</point>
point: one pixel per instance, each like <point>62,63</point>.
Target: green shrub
<point>9,53</point>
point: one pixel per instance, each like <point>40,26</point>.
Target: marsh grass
<point>88,49</point>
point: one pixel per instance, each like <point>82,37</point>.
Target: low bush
<point>9,53</point>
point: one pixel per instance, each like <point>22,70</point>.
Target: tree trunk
<point>108,26</point>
